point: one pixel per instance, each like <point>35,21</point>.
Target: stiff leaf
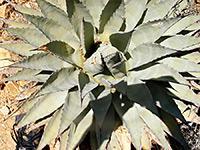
<point>64,139</point>
<point>159,10</point>
<point>108,11</point>
<point>150,32</point>
<point>28,75</point>
<point>115,21</point>
<point>146,53</point>
<point>30,36</point>
<point>181,65</point>
<point>127,111</point>
<point>133,12</point>
<point>63,79</point>
<point>15,24</point>
<point>51,130</point>
<point>171,126</point>
<point>87,38</point>
<point>45,106</point>
<point>134,89</point>
<point>159,72</point>
<point>95,8</point>
<point>154,124</point>
<point>180,42</point>
<point>101,105</point>
<point>80,12</point>
<point>54,31</point>
<point>121,45</point>
<point>79,129</point>
<point>21,48</point>
<point>58,15</point>
<point>182,24</point>
<point>43,61</point>
<point>66,52</point>
<point>72,108</point>
<point>26,10</point>
<point>165,101</point>
<point>184,92</point>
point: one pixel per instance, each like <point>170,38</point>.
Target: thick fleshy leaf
<point>28,75</point>
<point>63,79</point>
<point>101,105</point>
<point>85,84</point>
<point>94,64</point>
<point>182,24</point>
<point>109,11</point>
<point>61,33</point>
<point>114,60</point>
<point>133,12</point>
<point>95,8</point>
<point>21,48</point>
<point>15,24</point>
<point>26,10</point>
<point>134,89</point>
<point>107,128</point>
<point>58,15</point>
<point>127,110</point>
<point>150,32</point>
<point>64,139</point>
<point>87,38</point>
<point>29,35</point>
<point>159,72</point>
<point>51,130</point>
<point>121,45</point>
<point>79,129</point>
<point>72,108</point>
<point>181,65</point>
<point>159,10</point>
<point>180,42</point>
<point>165,101</point>
<point>154,124</point>
<point>43,61</point>
<point>172,127</point>
<point>184,92</point>
<point>45,106</point>
<point>115,21</point>
<point>66,52</point>
<point>146,53</point>
<point>80,12</point>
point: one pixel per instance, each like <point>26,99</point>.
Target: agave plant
<point>107,63</point>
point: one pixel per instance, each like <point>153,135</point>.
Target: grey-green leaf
<point>121,45</point>
<point>45,106</point>
<point>59,32</point>
<point>51,130</point>
<point>29,35</point>
<point>181,65</point>
<point>48,61</point>
<point>133,12</point>
<point>21,48</point>
<point>63,79</point>
<point>101,105</point>
<point>72,108</point>
<point>159,10</point>
<point>28,75</point>
<point>150,32</point>
<point>182,24</point>
<point>165,101</point>
<point>129,114</point>
<point>79,129</point>
<point>146,53</point>
<point>180,42</point>
<point>66,53</point>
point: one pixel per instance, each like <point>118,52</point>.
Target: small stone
<point>5,110</point>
